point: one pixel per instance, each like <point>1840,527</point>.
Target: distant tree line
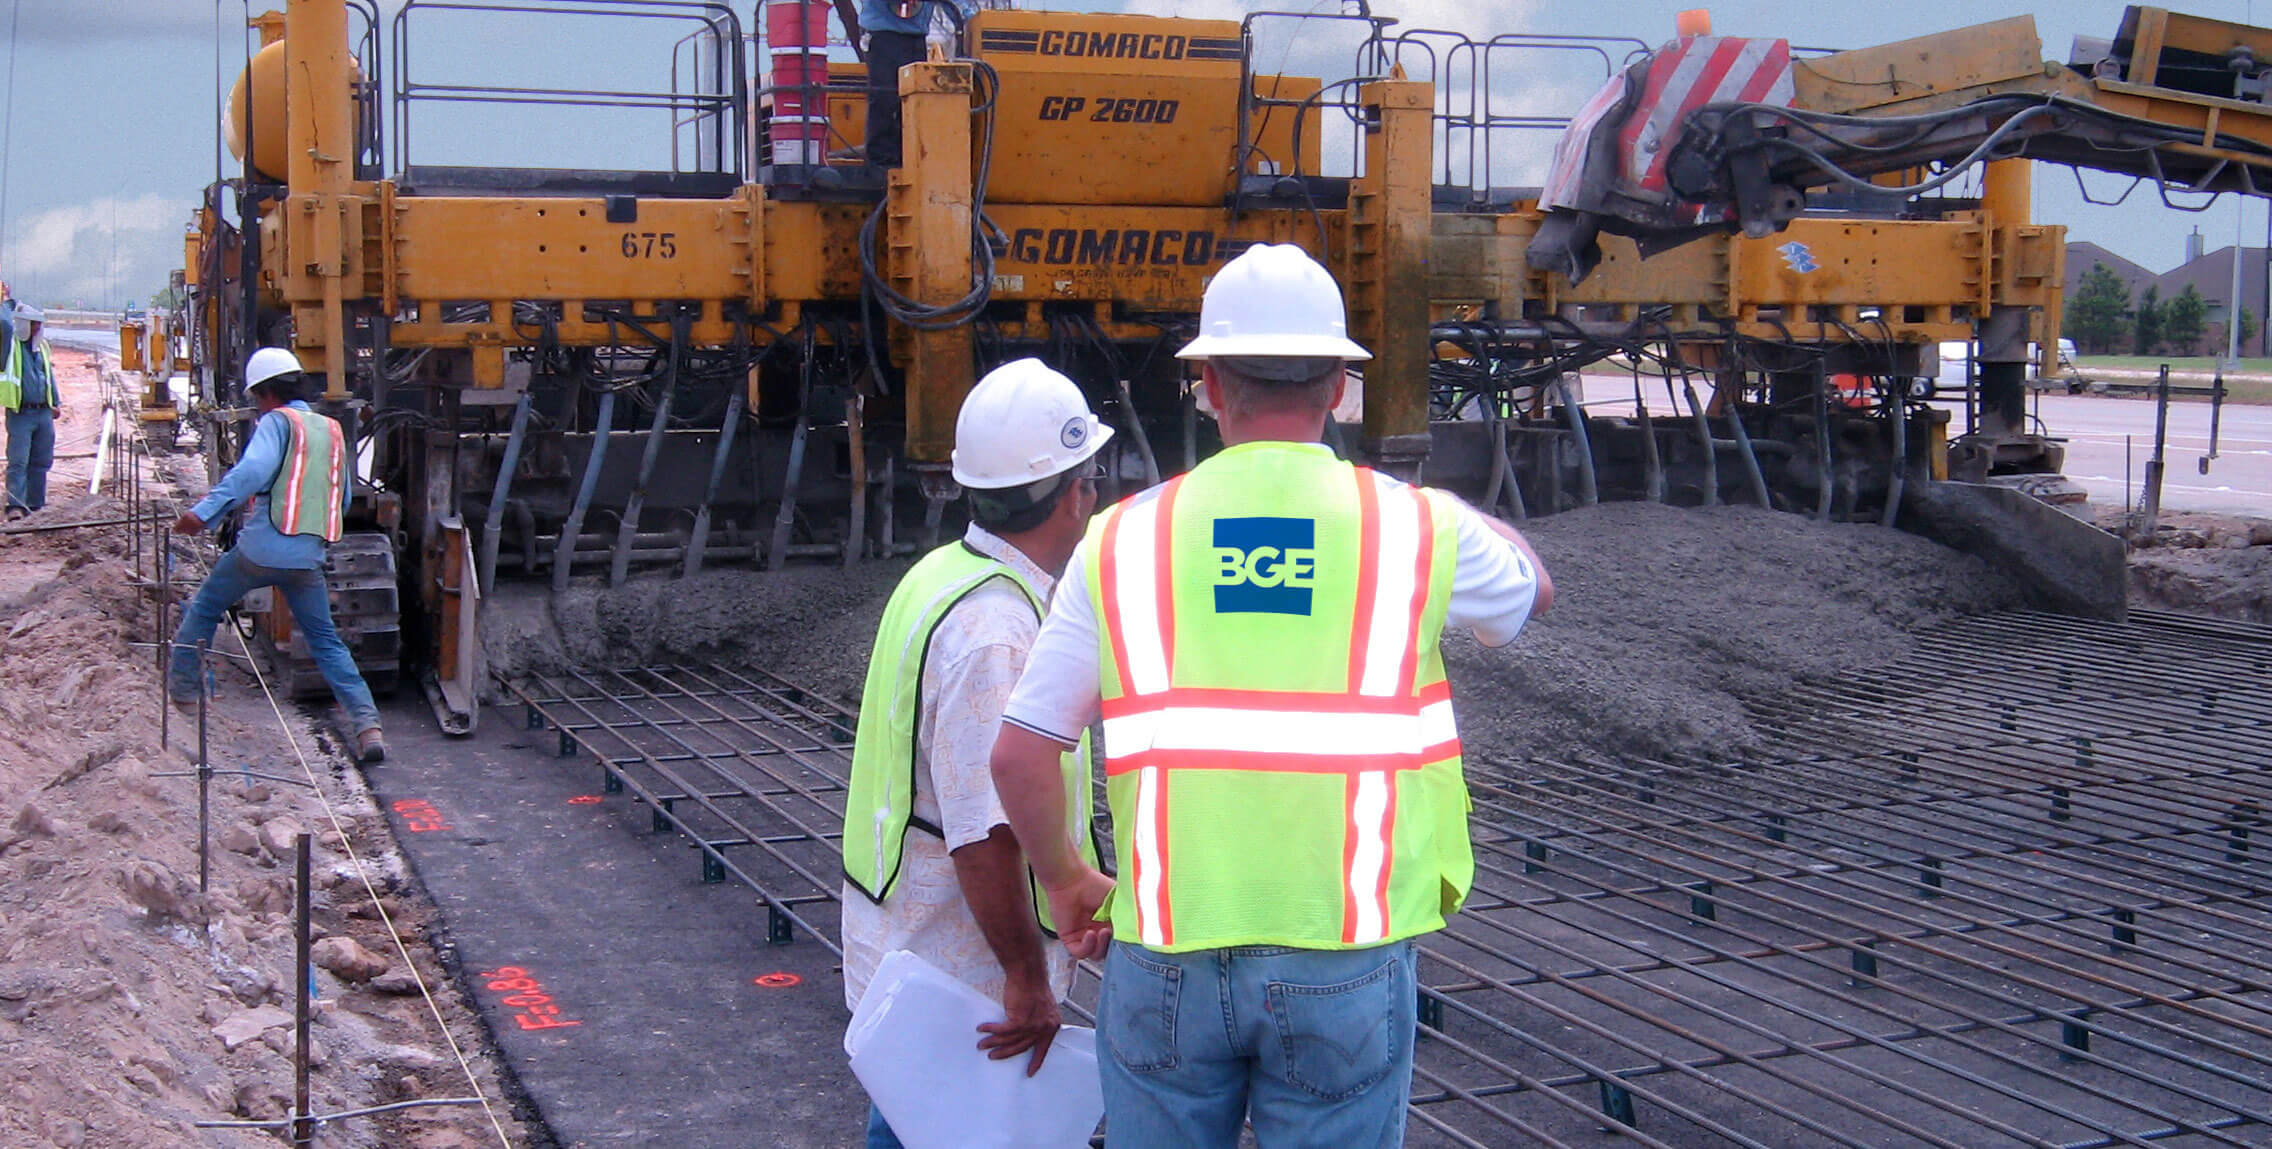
<point>2103,319</point>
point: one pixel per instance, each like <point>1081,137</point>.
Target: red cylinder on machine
<point>796,38</point>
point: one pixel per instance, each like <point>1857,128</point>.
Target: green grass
<point>2201,364</point>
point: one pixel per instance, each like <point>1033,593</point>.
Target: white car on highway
<point>1956,356</point>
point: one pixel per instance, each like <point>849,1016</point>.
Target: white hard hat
<point>1022,424</point>
<point>1273,301</point>
<point>26,313</point>
<point>268,363</point>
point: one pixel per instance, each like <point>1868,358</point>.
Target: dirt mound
<point>1667,619</point>
<point>131,1004</point>
<point>2218,565</point>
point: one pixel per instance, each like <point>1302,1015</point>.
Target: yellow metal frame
<point>335,241</point>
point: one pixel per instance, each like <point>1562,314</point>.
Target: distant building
<point>2080,257</point>
<point>2210,273</point>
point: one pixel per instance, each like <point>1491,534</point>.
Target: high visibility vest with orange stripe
<point>304,498</point>
<point>1281,761</point>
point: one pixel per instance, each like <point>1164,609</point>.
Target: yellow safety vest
<point>880,799</point>
<point>12,374</point>
<point>1281,760</point>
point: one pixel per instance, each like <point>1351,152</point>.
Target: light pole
<point>2233,307</point>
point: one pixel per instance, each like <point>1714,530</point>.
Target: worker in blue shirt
<point>294,481</point>
<point>895,32</point>
<point>29,395</point>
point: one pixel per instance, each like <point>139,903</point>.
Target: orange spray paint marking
<point>419,816</point>
<point>521,992</point>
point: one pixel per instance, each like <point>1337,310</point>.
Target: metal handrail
<point>717,22</point>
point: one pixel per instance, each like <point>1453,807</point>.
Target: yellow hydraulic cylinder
<point>319,91</point>
<point>1389,232</point>
<point>2008,191</point>
<point>930,250</point>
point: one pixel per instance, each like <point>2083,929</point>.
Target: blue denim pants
<point>880,1135</point>
<point>31,451</point>
<point>1314,1046</point>
<point>310,603</point>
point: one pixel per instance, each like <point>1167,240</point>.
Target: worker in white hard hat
<point>1260,638</point>
<point>294,481</point>
<point>930,864</point>
<point>30,397</point>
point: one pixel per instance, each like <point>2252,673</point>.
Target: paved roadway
<point>2239,480</point>
<point>2096,428</point>
<point>85,338</point>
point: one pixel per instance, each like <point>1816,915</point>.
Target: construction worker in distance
<point>29,395</point>
<point>930,865</point>
<point>1260,638</point>
<point>294,481</point>
<point>894,33</point>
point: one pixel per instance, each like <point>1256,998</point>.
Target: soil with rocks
<point>132,1005</point>
<point>2218,565</point>
<point>1667,619</point>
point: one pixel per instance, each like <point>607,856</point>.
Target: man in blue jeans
<point>293,479</point>
<point>29,395</point>
<point>895,32</point>
<point>1260,638</point>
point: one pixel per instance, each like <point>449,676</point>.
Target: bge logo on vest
<point>1265,565</point>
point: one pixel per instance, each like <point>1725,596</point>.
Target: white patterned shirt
<point>976,655</point>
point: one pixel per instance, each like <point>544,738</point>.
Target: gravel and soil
<point>1667,619</point>
<point>2218,565</point>
<point>131,1005</point>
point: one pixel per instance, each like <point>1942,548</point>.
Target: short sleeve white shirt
<point>976,655</point>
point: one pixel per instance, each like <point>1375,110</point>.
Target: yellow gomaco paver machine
<point>755,353</point>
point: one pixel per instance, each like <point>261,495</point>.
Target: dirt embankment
<point>2217,565</point>
<point>131,1005</point>
<point>1667,619</point>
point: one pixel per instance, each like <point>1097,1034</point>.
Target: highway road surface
<point>2109,438</point>
<point>2100,431</point>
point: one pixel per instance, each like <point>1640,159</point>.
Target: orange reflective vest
<point>1281,759</point>
<point>304,498</point>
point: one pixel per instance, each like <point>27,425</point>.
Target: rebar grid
<point>747,766</point>
<point>2010,892</point>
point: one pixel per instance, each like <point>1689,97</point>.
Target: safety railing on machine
<point>705,101</point>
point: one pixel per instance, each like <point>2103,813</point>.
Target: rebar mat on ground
<point>2011,892</point>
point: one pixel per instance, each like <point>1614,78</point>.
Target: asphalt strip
<point>623,992</point>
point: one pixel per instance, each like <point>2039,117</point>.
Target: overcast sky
<point>109,122</point>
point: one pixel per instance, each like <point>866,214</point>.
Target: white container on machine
<point>914,1046</point>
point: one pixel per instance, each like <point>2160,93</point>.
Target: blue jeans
<point>310,602</point>
<point>1315,1046</point>
<point>31,451</point>
<point>880,1135</point>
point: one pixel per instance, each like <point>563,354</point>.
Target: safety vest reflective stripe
<point>1137,584</point>
<point>295,466</point>
<point>1394,581</point>
<point>1305,740</point>
<point>1379,727</point>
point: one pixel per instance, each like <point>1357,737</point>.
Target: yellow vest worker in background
<point>29,396</point>
<point>1260,638</point>
<point>294,478</point>
<point>930,865</point>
